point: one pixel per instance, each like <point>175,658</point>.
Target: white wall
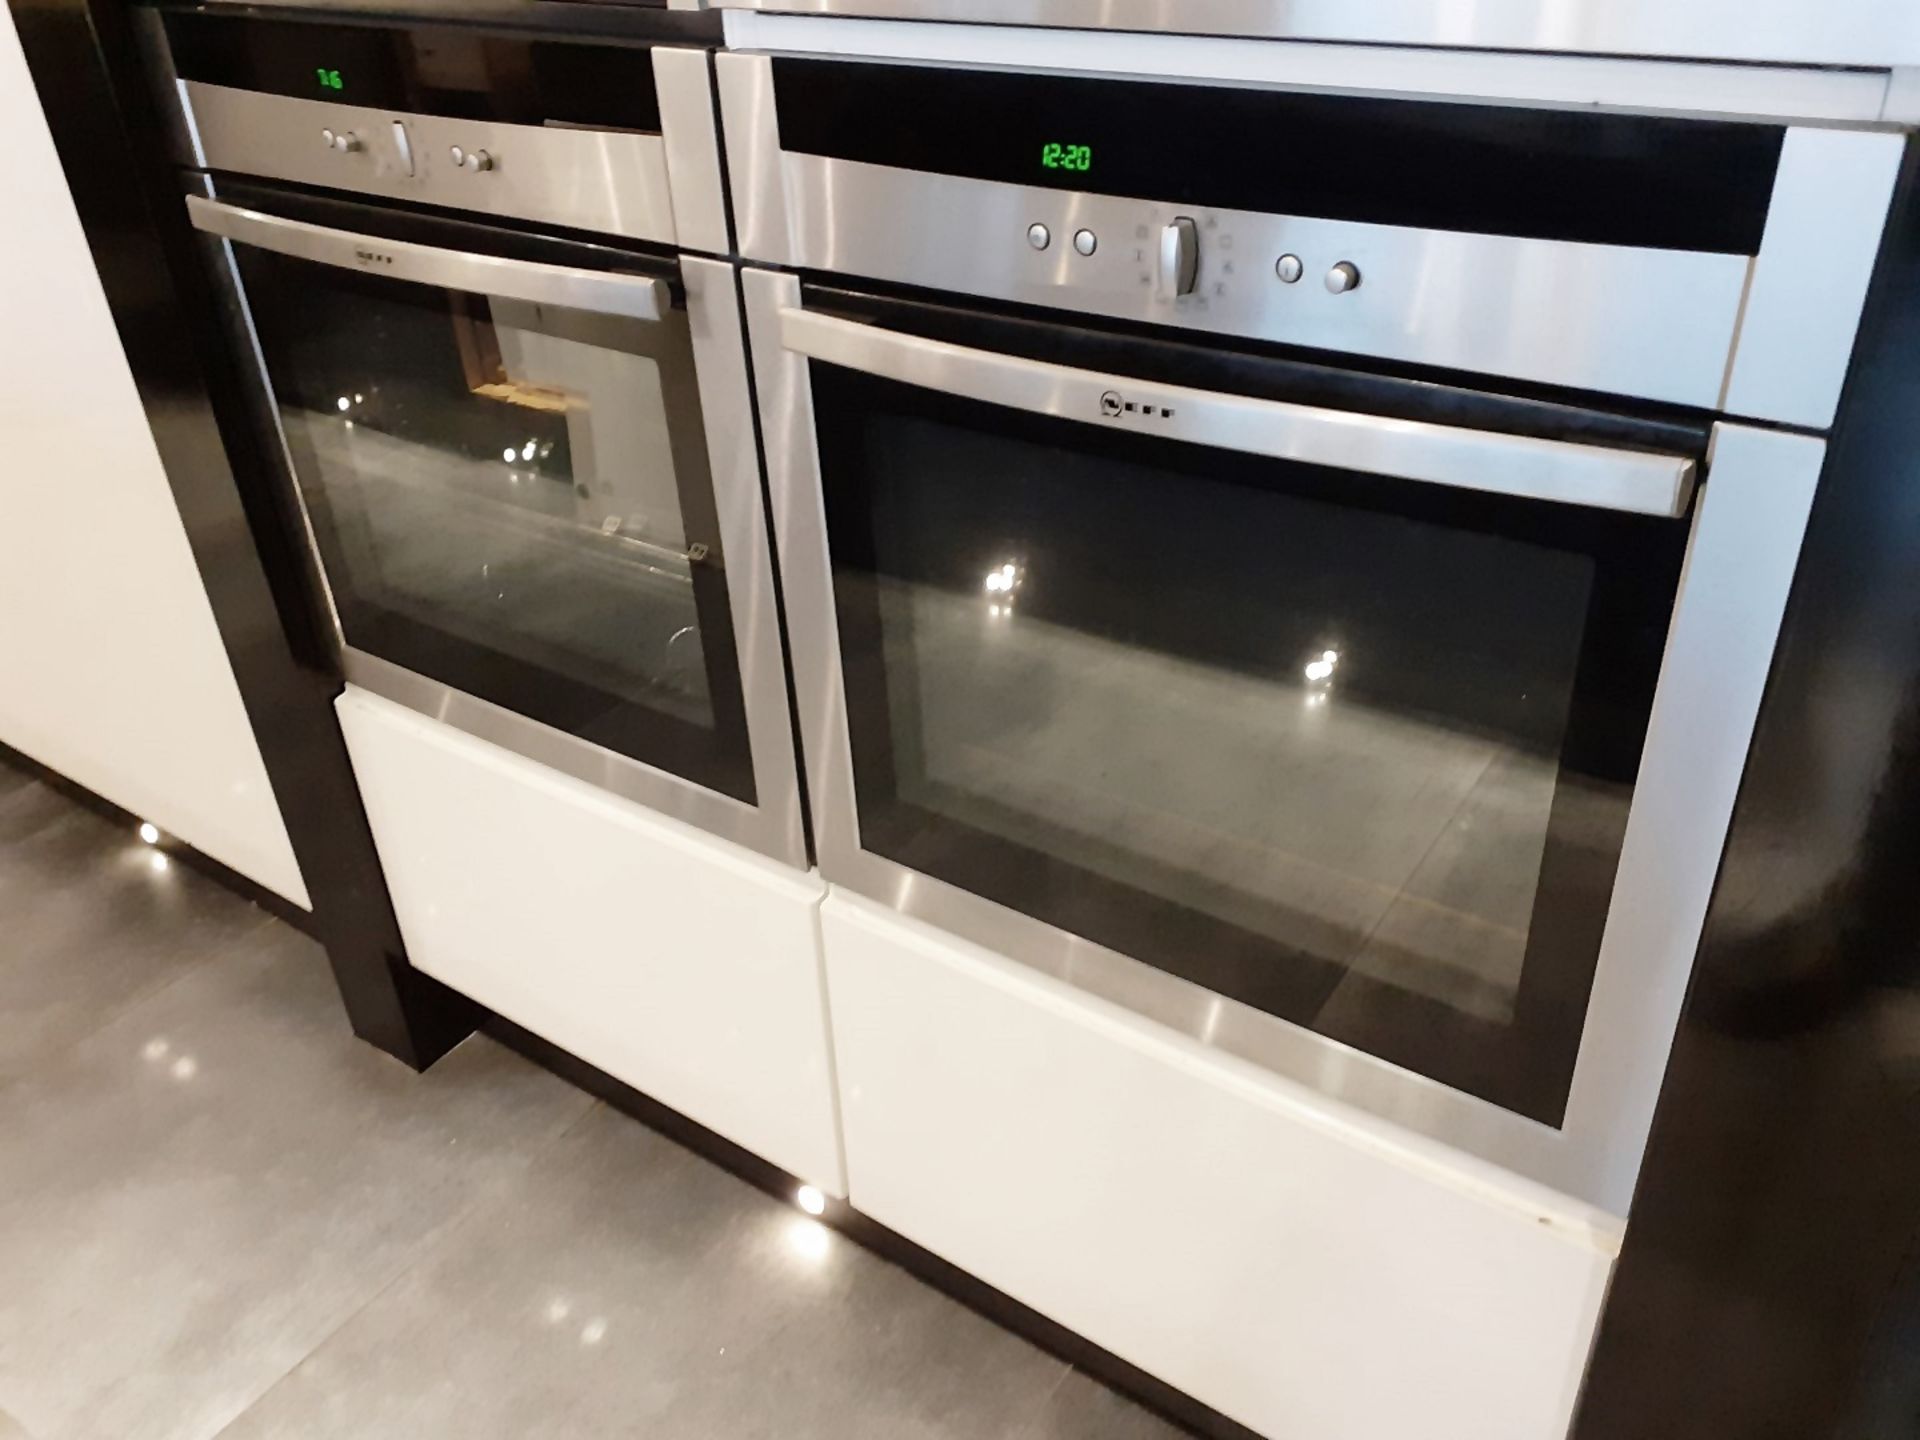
<point>111,670</point>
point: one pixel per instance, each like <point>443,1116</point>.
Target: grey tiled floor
<point>222,1215</point>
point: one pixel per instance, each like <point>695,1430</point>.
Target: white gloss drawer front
<point>1302,1271</point>
<point>679,963</point>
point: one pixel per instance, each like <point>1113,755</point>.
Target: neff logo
<point>1115,405</point>
<point>372,257</point>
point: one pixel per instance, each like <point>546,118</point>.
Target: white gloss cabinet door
<point>1285,1264</point>
<point>681,964</point>
<point>112,668</point>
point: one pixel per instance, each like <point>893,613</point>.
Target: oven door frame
<point>774,824</point>
<point>1742,549</point>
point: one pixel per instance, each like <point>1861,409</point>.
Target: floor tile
<point>1081,1408</point>
<point>14,781</point>
<point>89,927</point>
<point>202,1190</point>
<point>625,1287</point>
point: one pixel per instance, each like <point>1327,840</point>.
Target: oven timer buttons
<point>1085,241</point>
<point>1038,236</point>
<point>1289,268</point>
<point>1343,277</point>
<point>475,160</point>
<point>345,141</point>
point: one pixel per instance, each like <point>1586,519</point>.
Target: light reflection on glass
<point>1004,580</point>
<point>185,1068</point>
<point>558,1309</point>
<point>594,1331</point>
<point>154,1049</point>
<point>157,861</point>
<point>149,832</point>
<point>343,403</point>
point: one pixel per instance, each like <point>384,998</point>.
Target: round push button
<point>1038,236</point>
<point>1085,241</point>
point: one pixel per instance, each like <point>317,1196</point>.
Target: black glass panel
<point>1355,751</point>
<point>1655,181</point>
<point>462,73</point>
<point>513,499</point>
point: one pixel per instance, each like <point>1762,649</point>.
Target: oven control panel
<point>1170,261</point>
<point>606,181</point>
<point>1625,320</point>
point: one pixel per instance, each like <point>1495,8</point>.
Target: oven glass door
<point>510,494</point>
<point>1354,750</point>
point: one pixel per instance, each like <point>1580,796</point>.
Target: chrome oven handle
<point>639,297</point>
<point>1556,470</point>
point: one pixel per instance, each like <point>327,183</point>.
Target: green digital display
<point>329,79</point>
<point>1055,156</point>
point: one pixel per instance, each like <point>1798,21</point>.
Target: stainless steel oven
<point>1319,605</point>
<point>512,404</point>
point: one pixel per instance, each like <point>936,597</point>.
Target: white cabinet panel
<point>1293,1267</point>
<point>112,671</point>
<point>681,964</point>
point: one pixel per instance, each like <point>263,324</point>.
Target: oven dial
<point>479,160</point>
<point>1343,277</point>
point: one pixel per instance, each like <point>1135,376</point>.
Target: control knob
<point>1343,277</point>
<point>1179,257</point>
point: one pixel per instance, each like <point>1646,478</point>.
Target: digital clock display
<point>1055,156</point>
<point>329,79</point>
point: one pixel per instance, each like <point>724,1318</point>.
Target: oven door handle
<point>639,297</point>
<point>1558,470</point>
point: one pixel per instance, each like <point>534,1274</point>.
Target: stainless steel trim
<point>691,131</point>
<point>752,126</point>
<point>778,825</point>
<point>1830,200</point>
<point>1849,32</point>
<point>1680,87</point>
<point>639,297</point>
<point>1555,470</point>
<point>264,406</point>
<point>1745,541</point>
<point>1652,323</point>
<point>658,790</point>
<point>614,182</point>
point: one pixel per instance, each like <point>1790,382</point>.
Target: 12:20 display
<point>1055,156</point>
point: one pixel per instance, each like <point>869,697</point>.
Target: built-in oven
<point>511,400</point>
<point>1309,590</point>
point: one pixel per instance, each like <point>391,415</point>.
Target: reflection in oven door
<point>1355,751</point>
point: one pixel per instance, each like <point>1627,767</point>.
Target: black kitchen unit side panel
<point>1769,1287</point>
<point>1653,181</point>
<point>108,134</point>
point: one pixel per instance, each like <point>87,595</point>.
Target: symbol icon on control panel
<point>1110,403</point>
